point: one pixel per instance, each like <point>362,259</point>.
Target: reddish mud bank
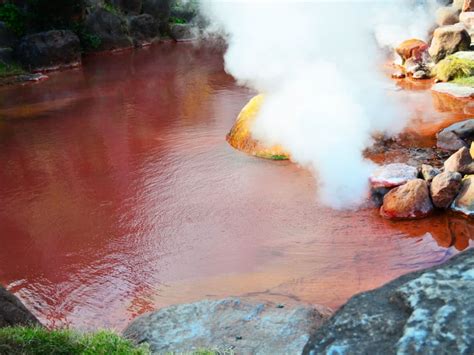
<point>119,194</point>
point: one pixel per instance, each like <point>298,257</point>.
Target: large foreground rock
<point>409,201</point>
<point>456,136</point>
<point>13,312</point>
<point>464,202</point>
<point>243,325</point>
<point>49,49</point>
<point>426,312</point>
<point>448,40</point>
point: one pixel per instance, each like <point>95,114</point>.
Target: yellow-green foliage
<point>453,67</point>
<point>469,81</point>
<point>22,340</point>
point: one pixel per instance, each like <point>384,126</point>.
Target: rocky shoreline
<point>31,46</point>
<point>428,310</point>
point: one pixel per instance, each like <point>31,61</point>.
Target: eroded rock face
<point>425,312</point>
<point>456,136</point>
<point>13,312</point>
<point>49,49</point>
<point>409,201</point>
<point>143,29</point>
<point>240,136</point>
<point>464,202</point>
<point>461,161</point>
<point>110,28</point>
<point>393,175</point>
<point>244,325</point>
<point>444,188</point>
<point>448,40</point>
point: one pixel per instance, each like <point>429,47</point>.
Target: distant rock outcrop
<point>425,312</point>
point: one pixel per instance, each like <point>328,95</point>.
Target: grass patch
<point>7,70</point>
<point>469,81</point>
<point>38,341</point>
<point>452,68</point>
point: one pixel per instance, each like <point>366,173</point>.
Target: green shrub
<point>177,20</point>
<point>14,18</point>
<point>7,70</point>
<point>39,341</point>
<point>453,67</point>
<point>111,8</point>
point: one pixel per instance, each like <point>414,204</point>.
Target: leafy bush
<point>454,67</point>
<point>21,340</point>
<point>177,20</point>
<point>13,17</point>
<point>111,8</point>
<point>7,70</point>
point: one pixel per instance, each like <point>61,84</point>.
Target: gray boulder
<point>448,40</point>
<point>445,188</point>
<point>456,136</point>
<point>425,312</point>
<point>464,202</point>
<point>110,28</point>
<point>49,49</point>
<point>461,161</point>
<point>429,172</point>
<point>245,326</point>
<point>181,32</point>
<point>160,10</point>
<point>143,29</point>
<point>13,312</point>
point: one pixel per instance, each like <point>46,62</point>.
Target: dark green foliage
<point>14,18</point>
<point>7,70</point>
<point>54,14</point>
<point>111,8</point>
<point>39,341</point>
<point>89,41</point>
<point>177,20</point>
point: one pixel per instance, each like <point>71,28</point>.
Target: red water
<point>119,194</point>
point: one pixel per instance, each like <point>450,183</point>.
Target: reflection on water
<point>119,194</point>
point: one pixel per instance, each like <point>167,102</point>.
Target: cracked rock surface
<point>425,312</point>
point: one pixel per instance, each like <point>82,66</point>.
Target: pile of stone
<point>454,32</point>
<point>411,192</point>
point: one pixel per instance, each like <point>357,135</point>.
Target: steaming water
<point>316,62</point>
<point>119,194</point>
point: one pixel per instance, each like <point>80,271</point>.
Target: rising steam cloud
<point>318,63</point>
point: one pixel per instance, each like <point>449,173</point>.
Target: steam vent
<point>241,138</point>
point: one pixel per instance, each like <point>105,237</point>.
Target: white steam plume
<point>318,64</point>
